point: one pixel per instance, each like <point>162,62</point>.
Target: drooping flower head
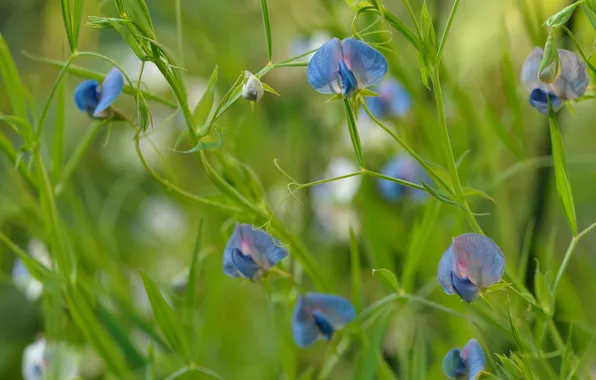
<point>472,262</point>
<point>393,100</point>
<point>406,168</point>
<point>251,252</point>
<point>253,88</point>
<point>94,99</point>
<point>469,361</point>
<point>41,359</point>
<point>571,84</point>
<point>319,315</point>
<point>343,67</point>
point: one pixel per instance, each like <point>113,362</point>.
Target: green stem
<point>449,157</point>
<point>179,31</point>
<point>403,144</point>
<point>579,49</point>
<point>396,180</point>
<point>446,33</point>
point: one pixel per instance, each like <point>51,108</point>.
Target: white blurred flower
<point>40,358</point>
<point>331,201</point>
<point>21,276</point>
<point>372,137</point>
<point>180,281</point>
<point>152,77</point>
<point>163,219</point>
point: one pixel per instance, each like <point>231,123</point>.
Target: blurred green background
<point>121,221</point>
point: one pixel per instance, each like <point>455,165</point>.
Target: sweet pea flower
<point>393,100</point>
<point>406,168</point>
<point>319,316</point>
<point>571,84</point>
<point>94,99</point>
<point>251,252</point>
<point>472,262</point>
<point>41,359</point>
<point>470,361</point>
<point>344,67</point>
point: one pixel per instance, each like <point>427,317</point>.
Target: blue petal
<point>244,264</point>
<point>376,106</point>
<point>229,267</point>
<point>348,82</point>
<point>464,288</point>
<point>325,327</point>
<point>338,310</point>
<point>453,364</point>
<point>323,68</point>
<point>304,330</point>
<point>85,95</point>
<point>398,98</point>
<point>446,268</point>
<point>368,65</point>
<point>474,358</point>
<point>539,100</point>
<point>111,88</point>
<point>478,258</point>
<point>266,250</point>
<point>405,168</point>
<point>574,78</point>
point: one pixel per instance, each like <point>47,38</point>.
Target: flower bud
<point>550,66</point>
<point>252,89</point>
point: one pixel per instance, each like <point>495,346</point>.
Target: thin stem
<point>579,49</point>
<point>564,264</point>
<point>290,64</point>
<point>433,305</point>
<point>401,142</point>
<point>446,33</point>
<point>448,151</point>
<point>177,189</point>
<point>396,180</point>
<point>412,16</point>
<point>179,31</point>
<point>296,57</point>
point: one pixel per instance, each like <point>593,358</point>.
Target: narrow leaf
<point>203,107</point>
<point>267,24</point>
<point>561,176</point>
<point>389,277</point>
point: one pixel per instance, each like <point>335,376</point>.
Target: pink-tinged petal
<point>478,258</point>
<point>473,356</point>
<point>304,330</point>
<point>323,68</point>
<point>368,65</point>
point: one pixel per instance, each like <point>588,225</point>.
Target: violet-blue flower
<point>470,361</point>
<point>571,84</point>
<point>406,168</point>
<point>318,316</point>
<point>393,100</point>
<point>472,262</point>
<point>251,252</point>
<point>94,99</point>
<point>344,67</point>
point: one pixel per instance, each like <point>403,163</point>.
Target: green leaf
<point>268,88</point>
<point>518,340</point>
<point>203,107</point>
<point>357,4</point>
<point>590,14</point>
<point>468,191</point>
<point>12,81</point>
<point>367,92</point>
<point>166,319</point>
<point>137,11</point>
<point>128,35</point>
<point>550,65</point>
<point>561,176</point>
<point>560,18</point>
<point>143,112</point>
<point>83,314</point>
<point>390,278</point>
<point>267,24</point>
<point>190,298</point>
<point>206,144</point>
<point>543,293</point>
<point>335,98</point>
<point>402,29</point>
<point>72,21</point>
<point>356,269</point>
<point>354,136</point>
<point>510,367</point>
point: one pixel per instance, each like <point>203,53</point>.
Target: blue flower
<point>471,262</point>
<point>470,361</point>
<point>406,168</point>
<point>319,315</point>
<point>571,84</point>
<point>251,252</point>
<point>393,100</point>
<point>94,99</point>
<point>345,67</point>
